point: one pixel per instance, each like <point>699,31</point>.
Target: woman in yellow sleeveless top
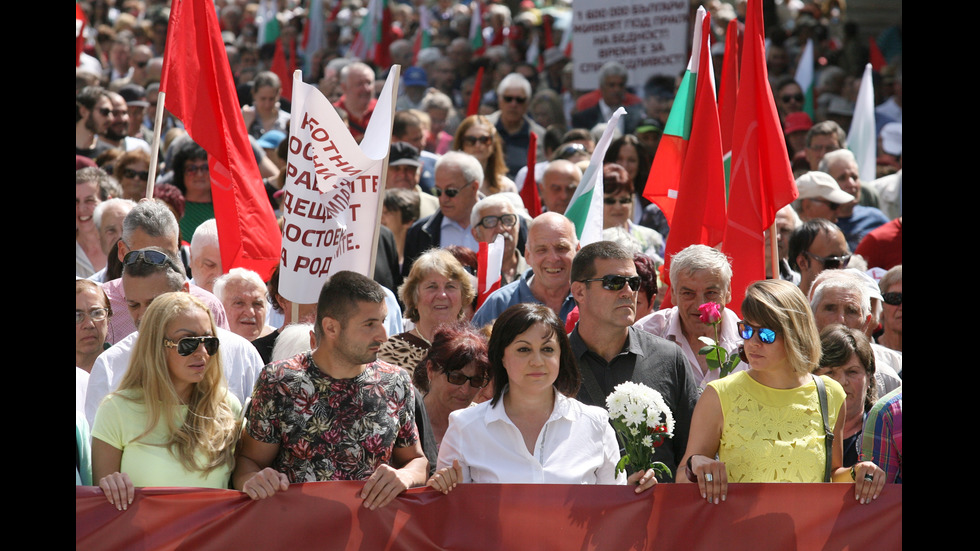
<point>765,424</point>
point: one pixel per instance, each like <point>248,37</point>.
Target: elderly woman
<point>698,274</point>
<point>264,114</point>
<point>770,423</point>
<point>92,311</point>
<point>891,315</point>
<point>132,170</point>
<point>477,136</point>
<point>847,358</point>
<point>436,292</point>
<point>193,178</point>
<point>453,372</point>
<point>242,293</point>
<point>618,210</point>
<point>91,188</point>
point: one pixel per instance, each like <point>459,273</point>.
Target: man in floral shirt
<point>335,413</point>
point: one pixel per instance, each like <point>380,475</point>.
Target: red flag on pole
<point>474,107</point>
<point>529,193</point>
<point>200,92</point>
<point>80,23</point>
<point>281,71</point>
<point>762,180</point>
<point>877,58</point>
<point>489,264</point>
<point>728,92</point>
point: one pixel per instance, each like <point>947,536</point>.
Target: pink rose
<point>710,312</point>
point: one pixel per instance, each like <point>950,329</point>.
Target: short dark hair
<point>403,201</point>
<point>187,151</point>
<point>837,343</point>
<point>174,271</point>
<point>516,320</point>
<point>583,265</point>
<point>804,235</point>
<point>340,295</point>
<point>87,98</point>
<point>403,121</point>
<point>454,347</point>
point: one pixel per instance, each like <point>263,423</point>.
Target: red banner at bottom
<point>329,515</point>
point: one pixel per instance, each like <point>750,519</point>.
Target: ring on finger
<point>708,477</point>
<point>869,477</point>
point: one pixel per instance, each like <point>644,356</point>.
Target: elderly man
<point>820,197</point>
<point>841,297</point>
<point>458,179</point>
<point>513,124</point>
<point>404,171</point>
<point>891,315</point>
<point>698,274</point>
<point>558,185</point>
<point>609,350</point>
<point>815,246</point>
<point>205,258</point>
<point>786,223</point>
<point>365,408</point>
<point>612,91</point>
<point>551,246</point>
<point>242,292</point>
<point>108,217</point>
<point>822,138</point>
<point>492,216</point>
<point>854,218</point>
<point>150,224</point>
<point>147,274</point>
<point>93,112</point>
<point>357,85</point>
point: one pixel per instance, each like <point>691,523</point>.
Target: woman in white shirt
<point>533,430</point>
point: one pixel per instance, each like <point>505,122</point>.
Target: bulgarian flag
<point>862,138</point>
<point>804,77</point>
<point>313,35</point>
<point>476,28</point>
<point>665,174</point>
<point>268,26</point>
<point>374,36</point>
<point>585,207</point>
<point>489,261</point>
<point>700,214</point>
<point>728,92</point>
<point>423,38</point>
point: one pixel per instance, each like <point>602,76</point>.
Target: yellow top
<point>771,434</point>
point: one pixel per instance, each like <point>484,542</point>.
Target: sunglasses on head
<point>798,98</point>
<point>517,99</point>
<point>154,258</point>
<point>457,378</point>
<point>449,191</point>
<point>892,299</point>
<point>569,150</point>
<point>622,200</point>
<point>507,220</point>
<point>767,336</point>
<point>831,262</point>
<point>473,140</point>
<point>187,345</point>
<point>616,282</point>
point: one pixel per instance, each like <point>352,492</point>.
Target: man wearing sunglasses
<point>492,216</point>
<point>815,246</point>
<point>860,216</point>
<point>820,197</point>
<point>364,408</point>
<point>458,178</point>
<point>513,123</point>
<point>93,112</point>
<point>610,350</point>
<point>147,274</point>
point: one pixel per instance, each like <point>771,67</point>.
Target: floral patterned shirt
<point>332,429</point>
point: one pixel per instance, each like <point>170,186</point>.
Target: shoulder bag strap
<point>828,433</point>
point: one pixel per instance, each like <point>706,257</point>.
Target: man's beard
<point>90,124</point>
<point>112,134</point>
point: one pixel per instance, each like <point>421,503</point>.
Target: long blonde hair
<point>210,426</point>
<point>781,306</point>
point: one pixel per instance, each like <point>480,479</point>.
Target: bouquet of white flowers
<point>642,421</point>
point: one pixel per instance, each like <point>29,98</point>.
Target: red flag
<point>80,23</point>
<point>382,54</point>
<point>699,214</point>
<point>762,181</point>
<point>877,58</point>
<point>279,68</point>
<point>529,193</point>
<point>200,92</point>
<point>474,107</point>
<point>489,263</point>
<point>727,95</point>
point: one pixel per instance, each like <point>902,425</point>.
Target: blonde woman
<point>172,421</point>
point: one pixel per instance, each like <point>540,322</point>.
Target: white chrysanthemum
<point>616,403</point>
<point>635,415</point>
<point>648,441</point>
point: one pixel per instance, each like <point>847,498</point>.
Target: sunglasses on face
<point>893,299</point>
<point>473,140</point>
<point>507,220</point>
<point>830,204</point>
<point>457,378</point>
<point>516,99</point>
<point>105,111</point>
<point>187,345</point>
<point>622,200</point>
<point>798,98</point>
<point>154,258</point>
<point>449,191</point>
<point>831,262</point>
<point>130,173</point>
<point>616,282</point>
<point>97,314</point>
<point>767,336</point>
<point>193,169</point>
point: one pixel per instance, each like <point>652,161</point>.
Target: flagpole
<point>773,253</point>
<point>155,147</point>
<point>396,70</point>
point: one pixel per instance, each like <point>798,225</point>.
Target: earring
<point>741,353</point>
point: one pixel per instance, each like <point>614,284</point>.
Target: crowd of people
<point>192,374</point>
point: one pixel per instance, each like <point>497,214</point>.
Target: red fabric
<point>591,99</point>
<point>761,179</point>
<point>200,92</point>
<point>699,215</point>
<point>882,248</point>
<point>484,287</point>
<point>547,21</point>
<point>490,516</point>
<point>82,22</point>
<point>382,55</point>
<point>728,92</point>
<point>529,193</point>
<point>665,172</point>
<point>357,126</point>
<point>279,68</point>
<point>474,107</point>
<point>878,61</point>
